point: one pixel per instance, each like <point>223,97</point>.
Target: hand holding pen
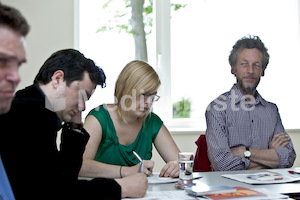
<point>147,164</point>
<point>141,169</point>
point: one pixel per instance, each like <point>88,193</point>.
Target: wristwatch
<point>247,153</point>
<point>73,125</point>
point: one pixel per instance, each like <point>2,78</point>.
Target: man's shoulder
<point>29,102</point>
<point>222,99</point>
<point>28,95</point>
<point>28,99</point>
<point>267,103</point>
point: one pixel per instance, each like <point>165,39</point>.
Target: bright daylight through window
<point>202,33</point>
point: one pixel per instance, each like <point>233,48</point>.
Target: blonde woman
<point>116,130</point>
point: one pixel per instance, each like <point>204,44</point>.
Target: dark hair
<point>73,64</point>
<point>249,42</point>
<point>13,19</point>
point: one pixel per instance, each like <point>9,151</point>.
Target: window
<point>190,47</point>
<point>111,50</point>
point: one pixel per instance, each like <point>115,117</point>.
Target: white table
<point>215,178</point>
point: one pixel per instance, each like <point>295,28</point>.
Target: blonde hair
<point>137,76</point>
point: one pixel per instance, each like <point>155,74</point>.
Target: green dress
<point>110,151</point>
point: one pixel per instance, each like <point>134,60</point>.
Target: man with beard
<point>244,131</point>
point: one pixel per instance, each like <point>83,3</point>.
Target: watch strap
<point>73,125</point>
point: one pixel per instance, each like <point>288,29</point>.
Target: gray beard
<point>248,89</point>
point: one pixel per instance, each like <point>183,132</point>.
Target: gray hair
<point>249,42</point>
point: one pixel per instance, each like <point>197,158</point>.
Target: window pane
<point>202,35</point>
<point>111,50</point>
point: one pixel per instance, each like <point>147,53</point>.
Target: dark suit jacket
<point>35,167</point>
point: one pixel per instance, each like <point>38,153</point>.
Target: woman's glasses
<point>153,97</point>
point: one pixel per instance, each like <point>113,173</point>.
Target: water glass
<point>186,162</point>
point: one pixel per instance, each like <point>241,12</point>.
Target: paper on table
<point>166,195</point>
<point>181,195</point>
<point>249,194</point>
<point>155,179</point>
<point>267,177</point>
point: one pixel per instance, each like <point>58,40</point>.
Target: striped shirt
<point>232,121</point>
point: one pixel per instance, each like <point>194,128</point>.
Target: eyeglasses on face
<point>153,97</point>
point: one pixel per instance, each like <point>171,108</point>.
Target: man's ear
<point>57,78</point>
<point>263,73</point>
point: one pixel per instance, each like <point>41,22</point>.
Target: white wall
<point>52,29</point>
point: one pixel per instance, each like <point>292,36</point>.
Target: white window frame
<point>164,106</point>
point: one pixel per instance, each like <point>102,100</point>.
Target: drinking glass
<point>186,162</point>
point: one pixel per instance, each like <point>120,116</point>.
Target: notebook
<point>239,194</point>
<point>200,190</point>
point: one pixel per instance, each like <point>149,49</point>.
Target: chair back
<point>201,162</point>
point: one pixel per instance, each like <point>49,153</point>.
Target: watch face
<point>247,154</point>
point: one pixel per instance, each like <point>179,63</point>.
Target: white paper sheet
<point>181,195</point>
<point>166,195</point>
<point>155,179</point>
<point>267,177</point>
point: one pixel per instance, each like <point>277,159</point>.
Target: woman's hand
<point>148,167</point>
<point>171,169</point>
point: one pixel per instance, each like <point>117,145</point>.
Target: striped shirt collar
<point>240,96</point>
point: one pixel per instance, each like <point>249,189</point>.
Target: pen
<point>270,178</point>
<point>139,158</point>
<point>293,172</point>
<point>256,176</point>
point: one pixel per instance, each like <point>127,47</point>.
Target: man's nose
<point>13,74</point>
<point>250,69</point>
<point>81,105</point>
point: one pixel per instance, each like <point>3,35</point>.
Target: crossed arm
<point>264,158</point>
<point>278,153</point>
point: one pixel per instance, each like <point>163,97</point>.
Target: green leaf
<point>148,10</point>
<point>105,5</point>
<point>102,29</point>
<point>178,6</point>
<point>182,109</point>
